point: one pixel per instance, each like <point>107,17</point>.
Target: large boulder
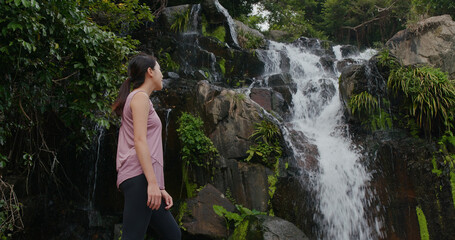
<point>430,41</point>
<point>199,219</point>
<point>262,227</point>
<point>230,119</point>
<point>246,183</point>
<point>169,14</point>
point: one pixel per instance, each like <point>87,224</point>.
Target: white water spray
<point>340,181</point>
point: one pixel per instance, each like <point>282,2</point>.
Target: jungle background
<point>63,61</point>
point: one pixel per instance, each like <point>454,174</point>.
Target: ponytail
<point>124,90</point>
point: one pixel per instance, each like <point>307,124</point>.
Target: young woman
<point>140,154</point>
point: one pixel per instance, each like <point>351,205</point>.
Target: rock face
<point>246,183</point>
<point>230,117</point>
<point>431,41</point>
<point>216,15</point>
<point>262,227</point>
<point>404,180</point>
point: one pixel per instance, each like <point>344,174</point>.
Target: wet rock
<point>201,220</point>
<point>262,227</point>
<point>327,63</point>
<point>217,15</point>
<point>352,81</point>
<point>263,96</point>
<point>348,50</point>
<point>316,46</point>
<point>403,178</point>
<point>430,42</point>
<point>280,79</point>
<point>343,64</point>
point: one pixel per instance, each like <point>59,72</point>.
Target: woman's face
<point>157,77</point>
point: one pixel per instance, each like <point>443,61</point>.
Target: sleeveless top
<point>127,163</point>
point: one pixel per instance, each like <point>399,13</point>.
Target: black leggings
<point>137,216</point>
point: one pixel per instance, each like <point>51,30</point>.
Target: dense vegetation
<point>62,63</point>
<point>60,72</point>
<point>363,22</point>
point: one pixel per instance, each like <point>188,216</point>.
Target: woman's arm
<point>140,106</point>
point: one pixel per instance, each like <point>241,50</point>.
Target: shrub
<point>429,96</point>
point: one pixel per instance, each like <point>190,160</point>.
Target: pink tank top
<point>128,164</point>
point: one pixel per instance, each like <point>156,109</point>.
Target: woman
<point>140,154</point>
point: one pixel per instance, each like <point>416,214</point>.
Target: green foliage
<point>447,142</point>
<point>197,149</point>
<point>267,146</point>
<point>370,111</point>
<point>429,95</point>
<point>222,64</point>
<point>183,209</point>
<point>219,33</point>
<point>166,62</point>
<point>423,8</point>
<point>236,218</point>
<point>424,235</point>
<point>180,23</point>
<point>120,17</point>
<point>57,62</point>
<point>386,60</point>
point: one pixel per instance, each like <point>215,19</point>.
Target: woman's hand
<point>153,196</point>
<point>167,199</point>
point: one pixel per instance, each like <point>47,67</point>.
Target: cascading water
<point>340,180</point>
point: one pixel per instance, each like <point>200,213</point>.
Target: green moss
<point>222,64</point>
<point>182,210</point>
<point>424,235</point>
<point>435,170</point>
<point>219,32</point>
<point>241,230</point>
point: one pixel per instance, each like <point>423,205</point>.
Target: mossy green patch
<point>222,64</point>
<point>452,182</point>
<point>424,235</point>
<point>241,230</point>
<point>183,209</point>
<point>435,169</point>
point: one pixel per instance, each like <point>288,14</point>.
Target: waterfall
<point>340,181</point>
<point>195,14</point>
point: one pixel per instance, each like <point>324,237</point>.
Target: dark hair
<point>137,67</point>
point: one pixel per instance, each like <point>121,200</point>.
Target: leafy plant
<point>370,111</point>
<point>167,63</point>
<point>60,71</point>
<point>197,149</point>
<point>120,17</point>
<point>429,95</point>
<point>181,19</point>
<point>266,136</point>
<point>235,218</point>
